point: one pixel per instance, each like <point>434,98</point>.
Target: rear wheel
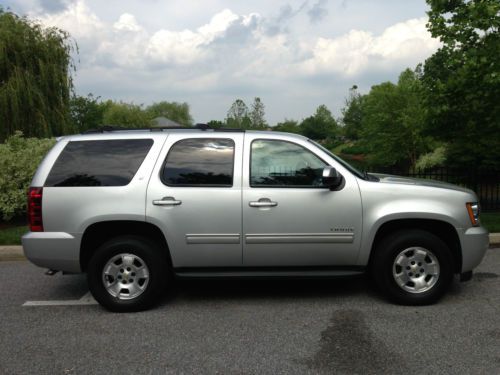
<point>128,273</point>
<point>412,267</point>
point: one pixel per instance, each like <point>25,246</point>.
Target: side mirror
<point>331,178</point>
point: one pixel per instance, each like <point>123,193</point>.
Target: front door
<point>289,217</point>
<point>194,196</point>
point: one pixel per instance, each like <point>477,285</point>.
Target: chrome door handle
<point>167,201</point>
<point>263,202</point>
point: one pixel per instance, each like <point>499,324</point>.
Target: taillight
<point>35,209</point>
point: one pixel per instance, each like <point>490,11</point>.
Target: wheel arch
<point>441,229</point>
<point>98,233</point>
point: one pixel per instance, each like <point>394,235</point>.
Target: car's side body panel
<point>385,202</point>
<point>204,230</point>
<point>68,211</point>
<point>308,227</point>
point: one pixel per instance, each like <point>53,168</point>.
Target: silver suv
<point>132,208</point>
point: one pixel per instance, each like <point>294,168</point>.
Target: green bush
<point>431,159</point>
<point>19,159</point>
<point>354,150</point>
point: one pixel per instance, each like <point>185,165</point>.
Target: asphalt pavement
<point>49,325</point>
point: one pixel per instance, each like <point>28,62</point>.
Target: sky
<point>294,55</point>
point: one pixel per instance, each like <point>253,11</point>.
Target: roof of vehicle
<point>119,132</point>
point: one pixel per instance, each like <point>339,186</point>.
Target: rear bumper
<point>474,243</point>
<point>55,250</point>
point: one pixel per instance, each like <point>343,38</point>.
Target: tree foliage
<point>289,126</point>
<point>320,126</point>
<point>393,121</point>
<point>128,115</point>
<point>86,112</point>
<point>257,115</point>
<point>237,115</point>
<point>216,124</point>
<point>17,168</point>
<point>178,112</point>
<point>462,79</point>
<point>35,78</point>
<point>352,114</point>
<point>432,159</point>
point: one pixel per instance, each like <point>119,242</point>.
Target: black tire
<point>383,264</point>
<point>141,250</point>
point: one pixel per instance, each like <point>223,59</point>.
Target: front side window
<point>99,163</point>
<point>277,163</point>
<point>200,162</point>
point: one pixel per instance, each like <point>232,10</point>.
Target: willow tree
<point>35,78</point>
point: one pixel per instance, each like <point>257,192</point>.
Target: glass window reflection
<point>284,164</point>
<point>200,162</point>
<point>99,163</point>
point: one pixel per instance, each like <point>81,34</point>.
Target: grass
<point>491,221</point>
<point>12,235</point>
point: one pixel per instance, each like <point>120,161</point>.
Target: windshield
<point>345,164</point>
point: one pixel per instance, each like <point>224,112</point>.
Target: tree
<point>216,124</point>
<point>35,78</point>
<point>289,126</point>
<point>125,114</point>
<point>86,112</point>
<point>462,80</point>
<point>237,116</point>
<point>321,126</point>
<point>393,121</point>
<point>257,115</point>
<point>352,114</point>
<point>178,112</point>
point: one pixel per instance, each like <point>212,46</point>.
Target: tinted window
<point>99,163</point>
<point>280,163</point>
<point>200,162</point>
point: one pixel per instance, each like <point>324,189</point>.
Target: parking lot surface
<point>50,325</point>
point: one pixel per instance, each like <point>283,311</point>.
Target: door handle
<point>167,201</point>
<point>263,202</point>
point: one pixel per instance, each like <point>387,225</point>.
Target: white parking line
<point>87,299</point>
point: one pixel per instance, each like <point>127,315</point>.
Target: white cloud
<point>357,51</point>
<point>233,54</point>
<point>127,22</point>
<point>125,43</point>
<point>217,25</point>
<point>77,19</point>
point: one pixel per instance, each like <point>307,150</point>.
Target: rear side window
<point>99,163</point>
<point>200,162</point>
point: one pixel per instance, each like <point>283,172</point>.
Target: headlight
<point>473,210</point>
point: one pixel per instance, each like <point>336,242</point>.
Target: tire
<point>412,267</point>
<point>128,273</point>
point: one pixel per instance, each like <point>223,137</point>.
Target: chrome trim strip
<point>299,238</point>
<point>231,238</point>
<point>277,273</point>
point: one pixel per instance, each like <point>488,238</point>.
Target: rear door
<point>194,196</point>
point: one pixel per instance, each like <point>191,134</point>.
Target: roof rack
<point>204,127</point>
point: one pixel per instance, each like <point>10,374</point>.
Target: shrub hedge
<point>19,159</point>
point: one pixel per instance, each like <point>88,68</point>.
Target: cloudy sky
<point>294,55</point>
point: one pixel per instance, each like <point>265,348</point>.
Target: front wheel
<point>128,273</point>
<point>412,267</point>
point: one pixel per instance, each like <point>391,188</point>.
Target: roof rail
<point>110,128</point>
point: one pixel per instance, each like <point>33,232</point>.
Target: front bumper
<point>474,243</point>
<point>55,250</point>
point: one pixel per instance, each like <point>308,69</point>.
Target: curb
<point>12,253</point>
<point>494,239</point>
